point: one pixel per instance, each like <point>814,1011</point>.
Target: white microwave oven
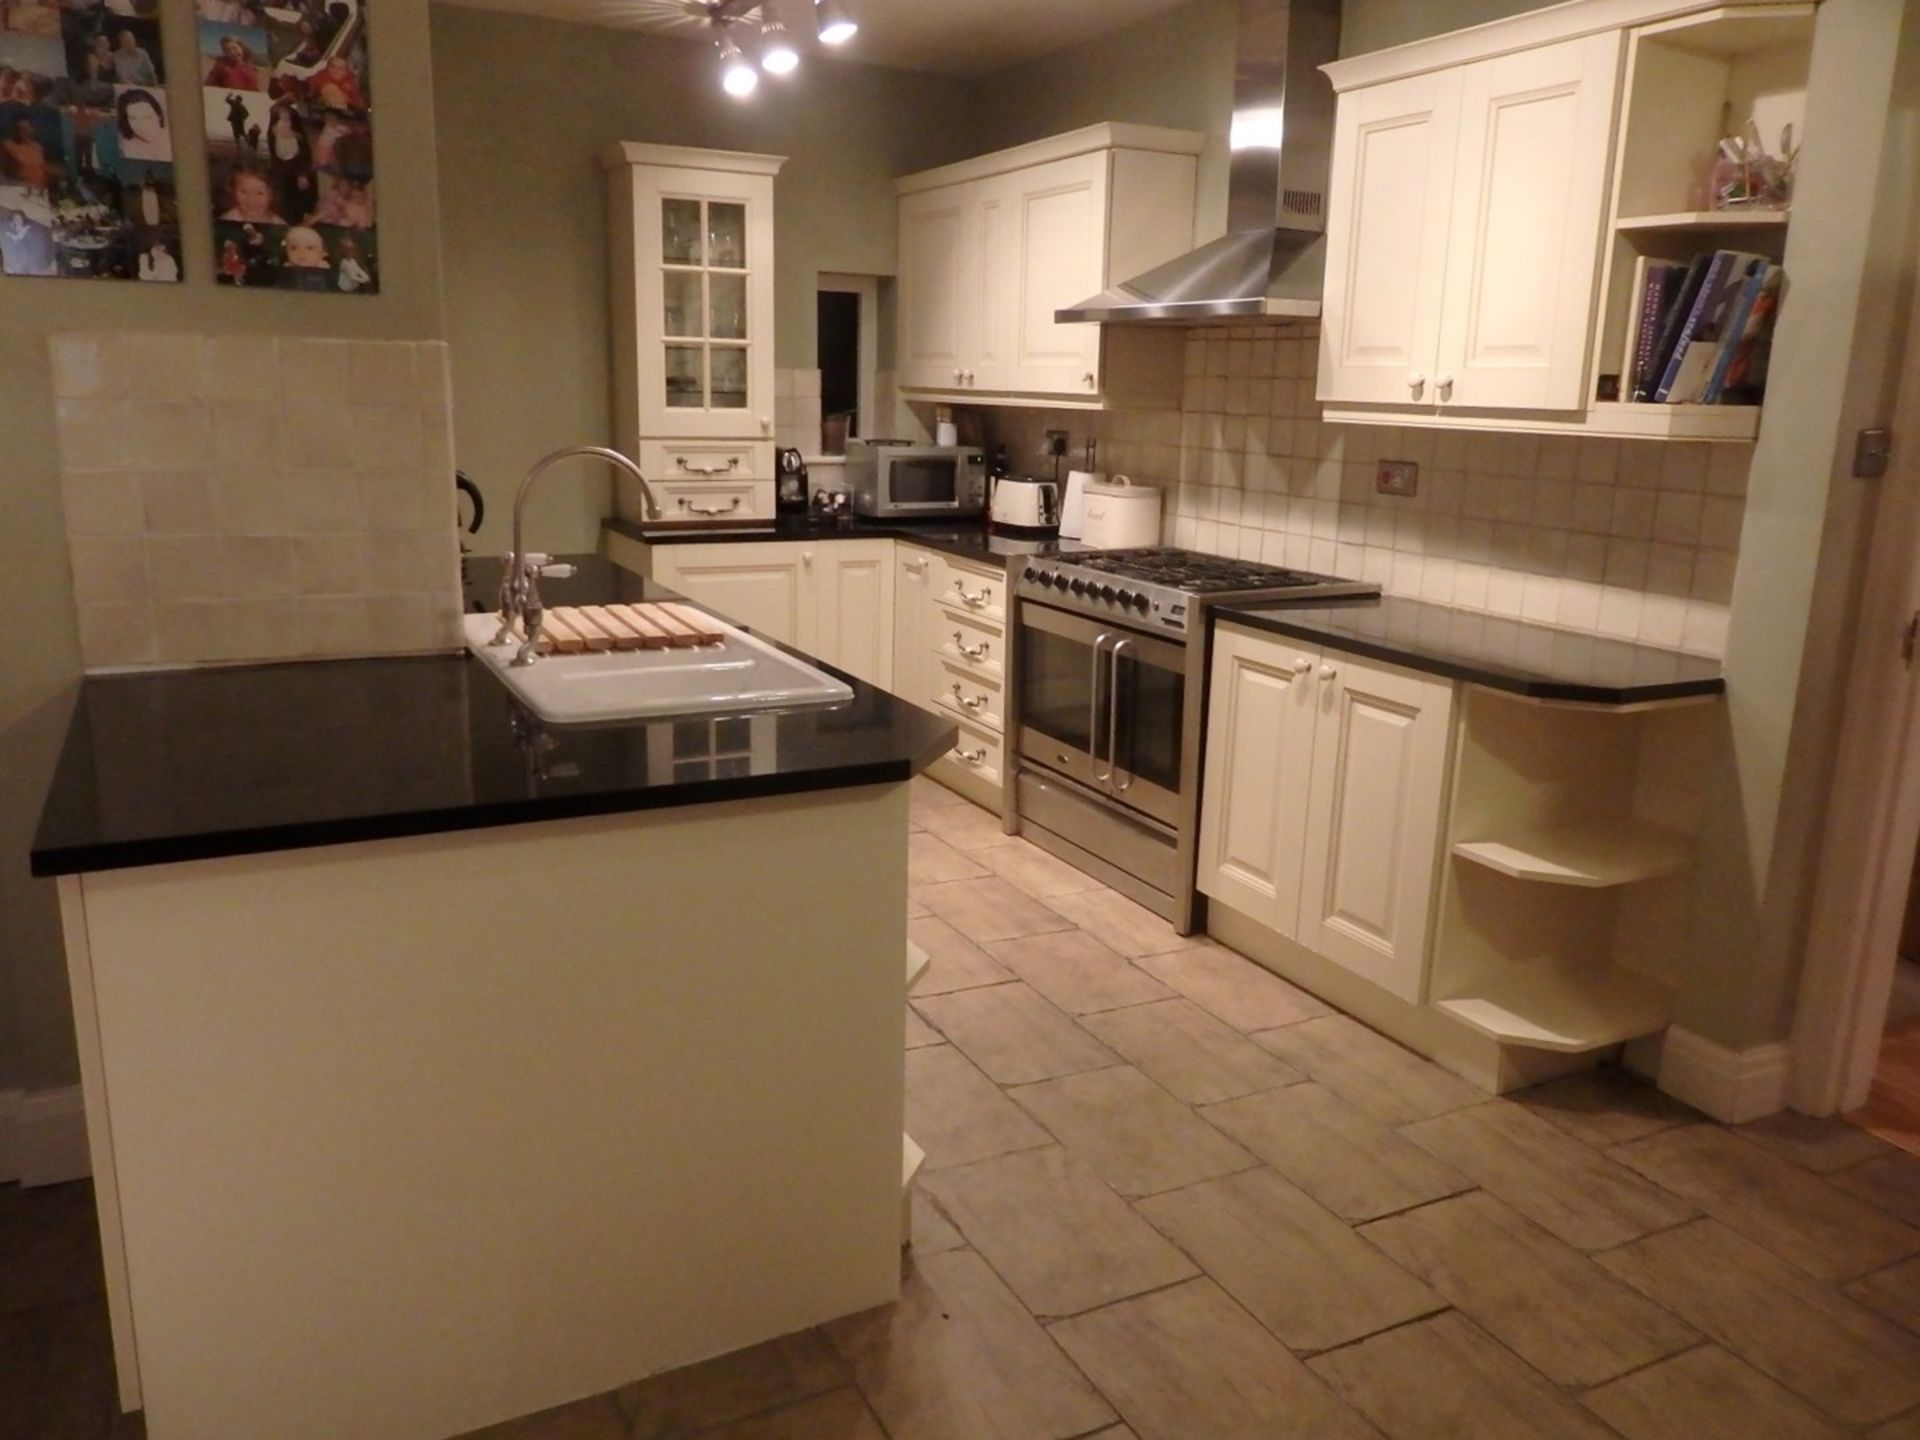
<point>892,480</point>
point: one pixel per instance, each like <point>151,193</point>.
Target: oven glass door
<point>922,482</point>
<point>1103,705</point>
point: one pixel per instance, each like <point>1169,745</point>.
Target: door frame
<point>867,288</point>
<point>1873,823</point>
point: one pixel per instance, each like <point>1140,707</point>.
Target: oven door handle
<point>1113,719</point>
<point>1093,708</point>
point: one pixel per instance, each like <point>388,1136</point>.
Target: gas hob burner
<point>1159,587</point>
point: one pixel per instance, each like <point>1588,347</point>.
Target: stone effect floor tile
<point>931,861</point>
<point>1375,1075</point>
<point>965,827</point>
<point>1816,1143</point>
<point>1077,972</point>
<point>1014,1035</point>
<point>837,1415</point>
<point>1582,1196</point>
<point>1907,1427</point>
<point>1189,1364</point>
<point>1055,1233</point>
<point>1894,1292</point>
<point>931,1230</point>
<point>1136,1136</point>
<point>1116,921</point>
<point>953,961</point>
<point>1200,1059</point>
<point>1548,1303</point>
<point>730,1387</point>
<point>920,1033</point>
<point>1788,1210</point>
<point>957,1115</point>
<point>925,794</point>
<point>1240,992</point>
<point>1706,1393</point>
<point>989,909</point>
<point>1353,1165</point>
<point>1298,1269</point>
<point>959,1358</point>
<point>1033,870</point>
<point>1445,1379</point>
<point>1605,1107</point>
<point>1848,1361</point>
<point>1892,1182</point>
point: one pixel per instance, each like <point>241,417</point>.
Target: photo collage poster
<point>289,115</point>
<point>86,142</point>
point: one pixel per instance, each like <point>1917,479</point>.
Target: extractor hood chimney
<point>1271,260</point>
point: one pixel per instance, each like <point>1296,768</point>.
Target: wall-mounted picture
<point>288,104</point>
<point>86,142</point>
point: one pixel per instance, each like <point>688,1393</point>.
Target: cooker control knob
<point>1137,600</point>
<point>1043,577</point>
<point>1107,593</point>
<point>1077,585</point>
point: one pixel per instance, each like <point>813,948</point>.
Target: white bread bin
<point>1121,515</point>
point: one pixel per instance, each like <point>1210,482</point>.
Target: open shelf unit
<point>1690,81</point>
<point>1565,886</point>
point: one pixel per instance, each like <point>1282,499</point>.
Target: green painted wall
<point>36,594</point>
<point>524,242</point>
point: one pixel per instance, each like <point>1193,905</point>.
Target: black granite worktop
<point>178,765</point>
<point>967,539</point>
<point>1525,659</point>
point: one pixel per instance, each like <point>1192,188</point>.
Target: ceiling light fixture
<point>836,25</point>
<point>777,55</point>
<point>737,76</point>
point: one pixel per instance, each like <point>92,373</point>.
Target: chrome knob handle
<point>1302,666</point>
<point>1328,672</point>
<point>806,558</point>
<point>1416,382</point>
<point>1444,384</point>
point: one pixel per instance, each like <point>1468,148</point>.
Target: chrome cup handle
<point>1093,709</point>
<point>1113,718</point>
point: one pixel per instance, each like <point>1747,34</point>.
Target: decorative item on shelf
<point>86,142</point>
<point>945,432</point>
<point>748,34</point>
<point>1746,176</point>
<point>287,97</point>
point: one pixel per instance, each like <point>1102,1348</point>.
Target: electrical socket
<point>1056,442</point>
<point>1397,477</point>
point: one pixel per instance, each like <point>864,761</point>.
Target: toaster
<point>1026,505</point>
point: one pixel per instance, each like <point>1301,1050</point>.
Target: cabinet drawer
<point>977,752</point>
<point>976,647</point>
<point>967,695</point>
<point>668,461</point>
<point>712,502</point>
<point>972,590</point>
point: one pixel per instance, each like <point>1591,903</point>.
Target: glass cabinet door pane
<point>685,384</point>
<point>729,378</point>
<point>727,235</point>
<point>727,295</point>
<point>680,232</point>
<point>682,311</point>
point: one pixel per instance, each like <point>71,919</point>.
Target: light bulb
<point>836,26</point>
<point>777,55</point>
<point>737,77</point>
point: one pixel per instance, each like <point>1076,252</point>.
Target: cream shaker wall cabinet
<point>991,247</point>
<point>693,276</point>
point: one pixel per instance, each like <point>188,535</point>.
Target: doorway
<point>1892,1108</point>
<point>848,317</point>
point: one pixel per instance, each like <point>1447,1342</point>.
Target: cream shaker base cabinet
<point>832,600</point>
<point>990,248</point>
<point>1322,805</point>
<point>1463,247</point>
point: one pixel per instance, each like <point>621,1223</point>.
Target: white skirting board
<point>1733,1086</point>
<point>43,1136</point>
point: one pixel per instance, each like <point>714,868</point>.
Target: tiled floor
<point>1170,1197</point>
<point>1892,1110</point>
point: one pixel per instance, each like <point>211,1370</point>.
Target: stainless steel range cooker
<point>1109,703</point>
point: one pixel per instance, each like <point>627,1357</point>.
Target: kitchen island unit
<point>441,1066</point>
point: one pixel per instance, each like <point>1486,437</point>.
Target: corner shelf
<point>1595,856</point>
<point>1564,1010</point>
<point>1683,220</point>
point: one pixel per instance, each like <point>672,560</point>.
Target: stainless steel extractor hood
<point>1271,260</point>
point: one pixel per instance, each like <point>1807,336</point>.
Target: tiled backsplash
<point>247,498</point>
<point>1634,539</point>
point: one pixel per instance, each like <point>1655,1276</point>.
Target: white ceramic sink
<point>742,672</point>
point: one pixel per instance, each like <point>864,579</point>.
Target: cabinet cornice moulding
<point>1527,31</point>
<point>689,157</point>
<point>1109,135</point>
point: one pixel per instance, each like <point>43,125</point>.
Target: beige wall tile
<point>328,564</point>
<point>116,634</point>
<point>242,367</point>
<point>253,501</point>
<point>182,567</point>
<point>108,568</point>
<point>88,366</point>
<point>314,371</point>
<point>160,366</point>
<point>102,503</point>
<point>320,436</point>
<point>256,567</point>
<point>177,502</point>
<point>322,502</point>
<point>246,432</point>
<point>387,436</point>
<point>380,372</point>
